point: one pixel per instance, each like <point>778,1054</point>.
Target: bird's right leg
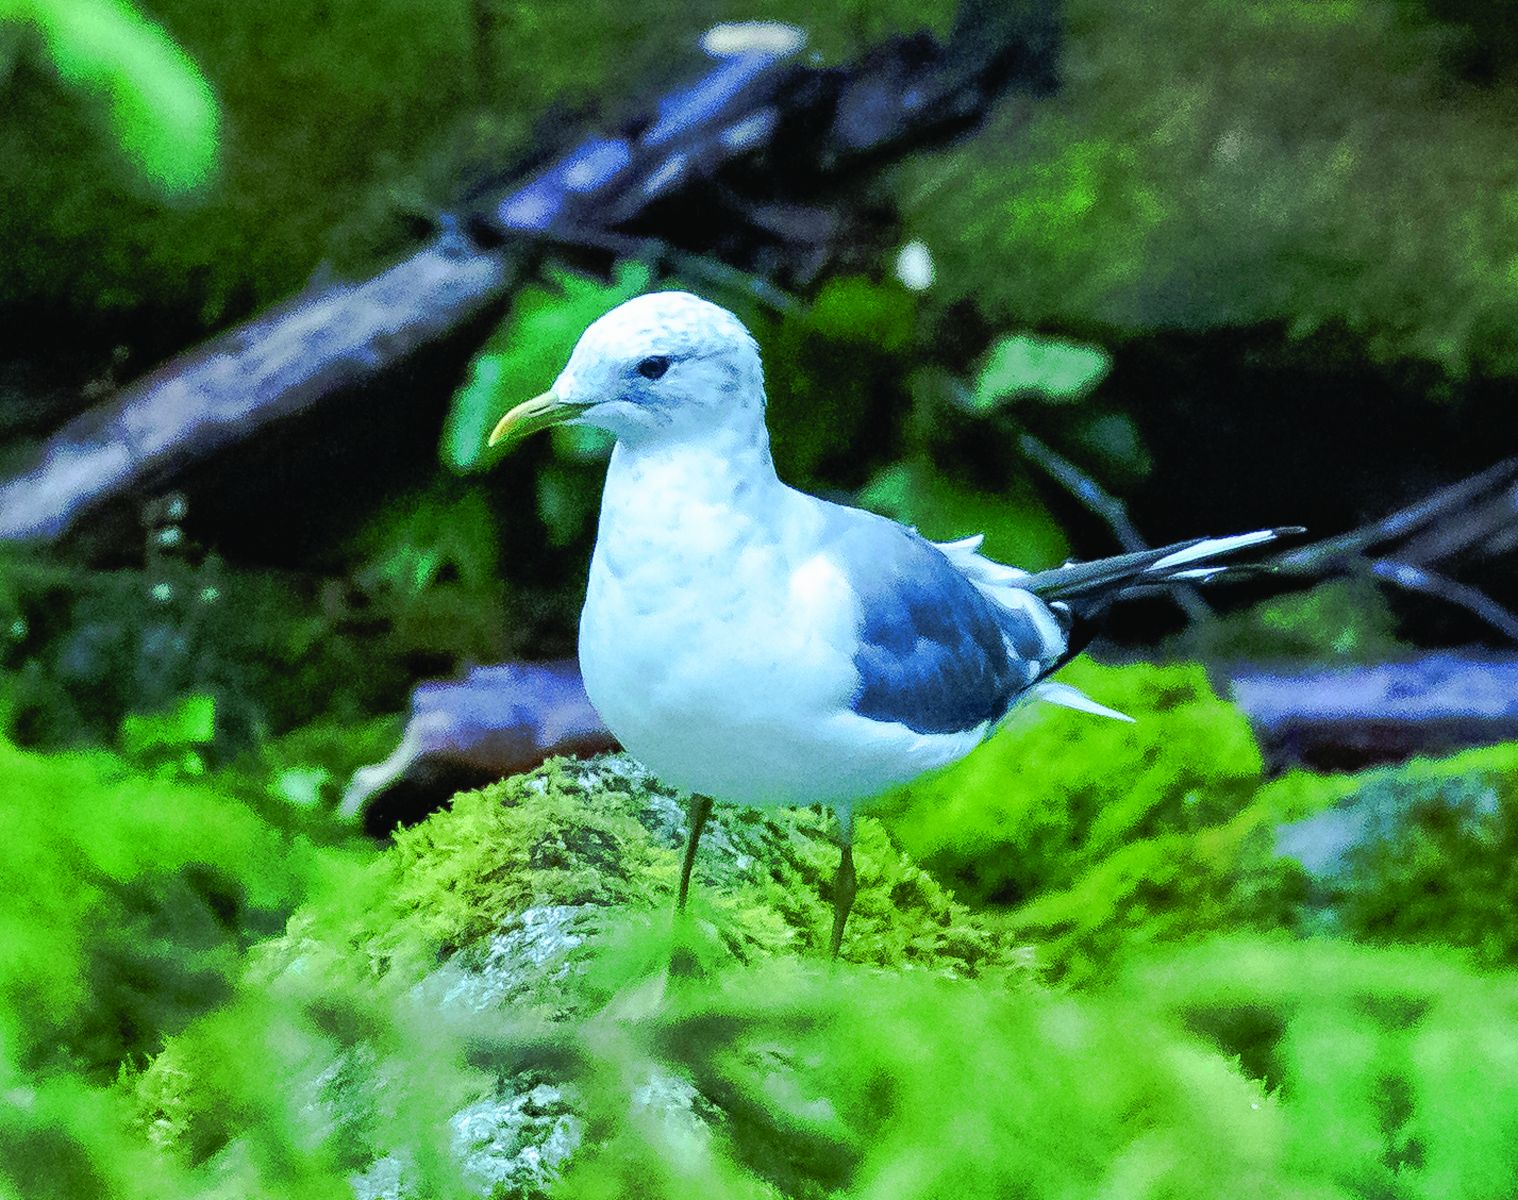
<point>844,883</point>
<point>700,808</point>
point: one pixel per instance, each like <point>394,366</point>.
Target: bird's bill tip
<point>530,416</point>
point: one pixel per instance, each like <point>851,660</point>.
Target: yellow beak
<point>532,415</point>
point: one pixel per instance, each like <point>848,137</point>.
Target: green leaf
<point>192,722</point>
<point>856,309</point>
<point>1027,366</point>
<point>161,107</point>
<point>522,358</point>
<point>1017,528</point>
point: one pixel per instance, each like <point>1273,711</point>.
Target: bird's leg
<point>700,808</point>
<point>844,882</point>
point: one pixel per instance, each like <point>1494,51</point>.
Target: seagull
<point>753,644</point>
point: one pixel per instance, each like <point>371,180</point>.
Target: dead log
<point>494,722</point>
<point>754,136</point>
<point>1351,717</point>
<point>500,720</point>
<point>264,371</point>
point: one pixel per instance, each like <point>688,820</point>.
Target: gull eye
<point>653,368</point>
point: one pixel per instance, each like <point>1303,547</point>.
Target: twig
<point>1420,579</point>
<point>1321,557</point>
<point>1109,508</point>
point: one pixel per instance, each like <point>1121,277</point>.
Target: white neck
<point>679,495</point>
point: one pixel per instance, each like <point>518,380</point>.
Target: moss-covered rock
<point>1094,840</point>
<point>1316,166</point>
<point>1056,791</point>
<point>1416,854</point>
<point>494,1011</point>
<point>604,835</point>
<point>545,897</point>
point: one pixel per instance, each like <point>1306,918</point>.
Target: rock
<point>490,929</point>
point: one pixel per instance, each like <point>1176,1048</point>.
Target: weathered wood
<point>606,192</point>
<point>1345,718</point>
<point>500,720</point>
<point>494,722</point>
<point>263,371</point>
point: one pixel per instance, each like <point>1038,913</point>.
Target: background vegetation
<point>1252,263</point>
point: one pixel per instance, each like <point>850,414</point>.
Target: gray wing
<point>935,654</point>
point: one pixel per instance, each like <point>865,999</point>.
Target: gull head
<point>667,365</point>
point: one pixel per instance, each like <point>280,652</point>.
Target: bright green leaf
<point>1026,366</point>
<point>192,722</point>
<point>524,355</point>
<point>1018,528</point>
<point>161,107</point>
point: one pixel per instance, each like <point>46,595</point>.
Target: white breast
<point>717,644</point>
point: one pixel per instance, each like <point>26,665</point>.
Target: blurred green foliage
<point>429,569</point>
<point>1016,524</point>
<point>129,902</point>
<point>161,109</point>
<point>502,964</point>
<point>1316,166</point>
<point>345,124</point>
<point>1337,620</point>
<point>91,652</point>
<point>1395,1067</point>
<point>524,356</point>
<point>175,738</point>
<point>1023,366</point>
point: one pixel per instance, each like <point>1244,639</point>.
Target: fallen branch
<point>769,136</point>
<point>496,721</point>
<point>1345,718</point>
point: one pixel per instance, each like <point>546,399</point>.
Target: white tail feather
<point>1066,696</point>
<point>1211,547</point>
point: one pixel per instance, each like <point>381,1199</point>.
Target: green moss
<point>1055,791</point>
<point>1396,1066</point>
<point>161,110</point>
<point>911,1087</point>
<point>129,903</point>
<point>1428,854</point>
<point>608,836</point>
<point>1116,208</point>
<point>512,952</point>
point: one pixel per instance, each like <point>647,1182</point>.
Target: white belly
<point>718,644</point>
<point>731,675</point>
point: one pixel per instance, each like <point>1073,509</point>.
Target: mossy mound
<point>1316,166</point>
<point>492,1012</point>
<point>545,897</point>
<point>1423,853</point>
<point>1092,840</point>
<point>605,835</point>
<point>1056,791</point>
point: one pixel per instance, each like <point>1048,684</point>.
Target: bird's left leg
<point>844,883</point>
<point>700,808</point>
